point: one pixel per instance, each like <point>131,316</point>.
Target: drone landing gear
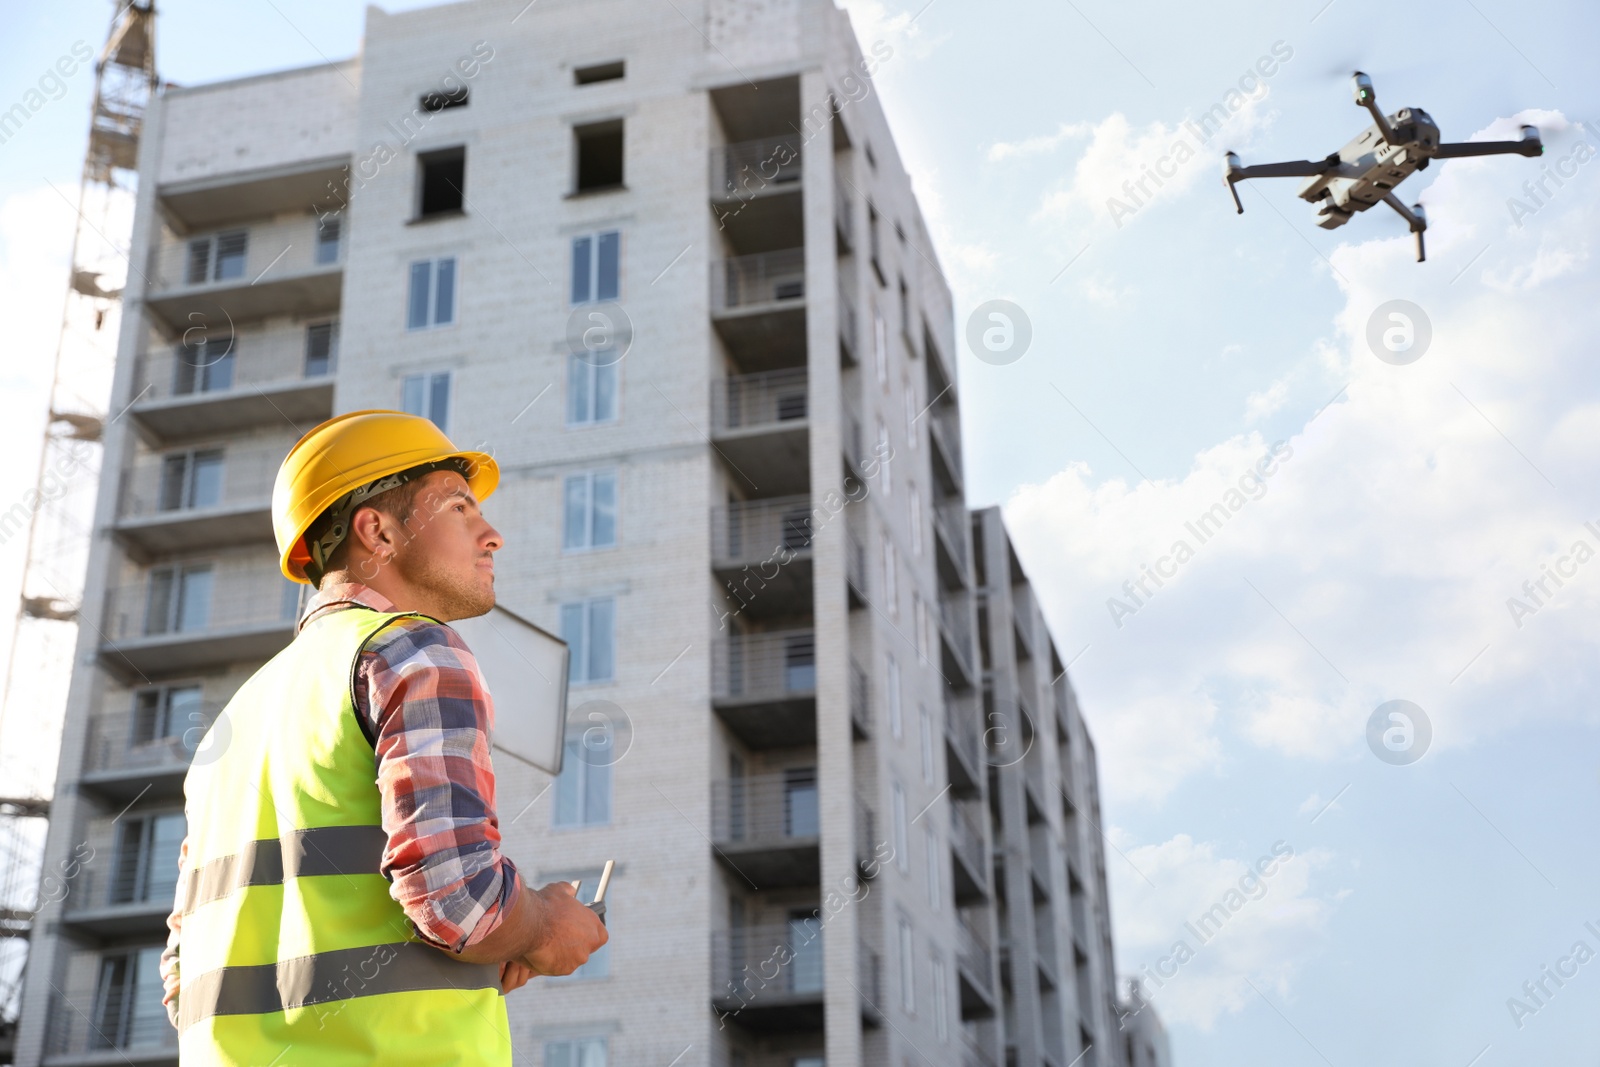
<point>1415,217</point>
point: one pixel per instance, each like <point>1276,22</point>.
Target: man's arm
<point>431,718</point>
<point>169,955</point>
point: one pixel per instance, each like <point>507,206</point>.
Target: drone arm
<point>1367,98</point>
<point>1415,218</point>
<point>1233,171</point>
<point>1529,146</point>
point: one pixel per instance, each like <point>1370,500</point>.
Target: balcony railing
<point>128,741</point>
<point>954,522</point>
<point>844,214</point>
<point>231,362</point>
<point>163,484</point>
<point>112,879</point>
<point>751,531</point>
<point>848,327</point>
<point>755,961</point>
<point>961,728</point>
<point>958,631</point>
<point>771,665</point>
<point>855,563</point>
<point>765,809</point>
<point>198,601</point>
<point>966,840</point>
<point>272,250</point>
<point>860,701</point>
<point>762,278</point>
<point>755,401</point>
<point>947,440</point>
<point>118,1017</point>
<point>749,169</point>
<point>972,954</point>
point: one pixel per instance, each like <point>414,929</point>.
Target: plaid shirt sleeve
<point>420,693</point>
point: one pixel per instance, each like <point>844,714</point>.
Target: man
<point>343,898</point>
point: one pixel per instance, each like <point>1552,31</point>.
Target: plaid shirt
<point>422,700</point>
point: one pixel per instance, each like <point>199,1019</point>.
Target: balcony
<point>769,978</point>
<point>860,702</point>
<point>855,570</point>
<point>867,841</point>
<point>759,425</point>
<point>952,528</point>
<point>945,433</point>
<point>761,553</point>
<point>119,1024</point>
<point>1022,620</point>
<point>844,228</point>
<point>180,501</point>
<point>759,309</point>
<point>278,273</point>
<point>754,187</point>
<point>964,748</point>
<point>955,632</point>
<point>191,616</point>
<point>972,864</point>
<point>975,970</point>
<point>126,757</point>
<point>276,377</point>
<point>129,884</point>
<point>763,685</point>
<point>766,828</point>
<point>848,352</point>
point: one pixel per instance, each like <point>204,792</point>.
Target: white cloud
<point>1044,143</point>
<point>1197,927</point>
<point>1268,401</point>
<point>1379,560</point>
<point>1125,168</point>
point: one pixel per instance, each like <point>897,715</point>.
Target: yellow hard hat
<point>349,453</point>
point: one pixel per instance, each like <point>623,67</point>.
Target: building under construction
<point>665,262</point>
<point>53,522</point>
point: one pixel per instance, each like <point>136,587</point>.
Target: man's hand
<point>514,974</point>
<point>571,934</point>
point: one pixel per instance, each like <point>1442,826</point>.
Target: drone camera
<point>1362,86</point>
<point>1531,143</point>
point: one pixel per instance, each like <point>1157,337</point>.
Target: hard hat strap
<point>340,512</point>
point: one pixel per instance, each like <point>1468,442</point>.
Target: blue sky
<point>1169,354</point>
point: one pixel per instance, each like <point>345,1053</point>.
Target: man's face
<point>450,555</point>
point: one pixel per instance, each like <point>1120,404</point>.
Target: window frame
<point>594,240</point>
<point>430,384</point>
<point>431,321</point>
<point>592,371</point>
<point>582,655</point>
<point>590,480</point>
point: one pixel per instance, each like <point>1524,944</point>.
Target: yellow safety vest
<point>293,950</point>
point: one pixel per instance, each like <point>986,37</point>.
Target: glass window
<point>230,255</point>
<point>591,391</point>
<point>926,718</point>
<point>583,789</point>
<point>891,592</point>
<point>596,267</point>
<point>427,395</point>
<point>801,817</point>
<point>589,505</point>
<point>588,628</point>
<point>908,976</point>
<point>328,232</point>
<point>145,863</point>
<point>930,841</point>
<point>576,1052</point>
<point>322,348</point>
<point>431,296</point>
<point>941,997</point>
<point>127,1009</point>
<point>916,522</point>
<point>902,850</point>
<point>179,599</point>
<point>805,946</point>
<point>893,675</point>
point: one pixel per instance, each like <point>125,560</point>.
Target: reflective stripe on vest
<point>290,936</point>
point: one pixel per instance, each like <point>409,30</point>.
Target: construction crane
<point>59,512</point>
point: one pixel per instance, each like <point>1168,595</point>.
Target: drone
<point>1365,171</point>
